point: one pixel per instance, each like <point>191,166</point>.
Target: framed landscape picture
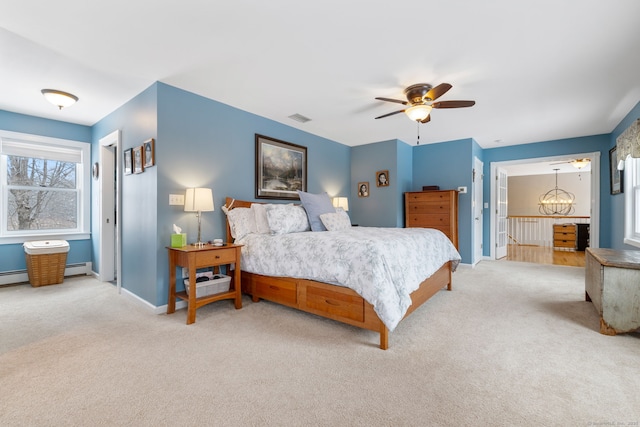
<point>281,169</point>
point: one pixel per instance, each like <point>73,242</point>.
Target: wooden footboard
<point>336,302</point>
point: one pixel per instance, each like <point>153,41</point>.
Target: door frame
<point>110,255</point>
<point>594,228</point>
<point>477,208</point>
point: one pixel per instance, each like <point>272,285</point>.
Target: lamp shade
<point>59,98</point>
<point>418,112</point>
<point>340,202</point>
<point>198,200</point>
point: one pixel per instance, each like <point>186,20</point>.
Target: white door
<point>501,213</point>
<point>107,181</point>
<point>477,208</point>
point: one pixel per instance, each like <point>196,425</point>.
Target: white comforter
<point>383,265</point>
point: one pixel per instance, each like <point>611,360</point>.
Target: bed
<point>359,281</point>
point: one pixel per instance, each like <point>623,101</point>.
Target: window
<point>632,201</point>
<point>44,188</point>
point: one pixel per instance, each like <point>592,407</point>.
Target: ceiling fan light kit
<point>580,163</point>
<point>418,112</point>
<point>420,99</point>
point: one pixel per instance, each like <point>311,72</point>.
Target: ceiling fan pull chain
<point>418,124</point>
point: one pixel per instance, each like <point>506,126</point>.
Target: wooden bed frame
<point>331,301</point>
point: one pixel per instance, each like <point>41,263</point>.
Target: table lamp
<point>198,200</point>
<point>340,202</point>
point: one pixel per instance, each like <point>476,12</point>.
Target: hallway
<point>545,255</point>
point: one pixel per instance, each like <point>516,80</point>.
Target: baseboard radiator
<point>20,276</point>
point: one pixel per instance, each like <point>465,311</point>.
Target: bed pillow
<point>241,222</point>
<point>262,224</point>
<point>285,219</point>
<point>316,205</point>
<point>336,221</point>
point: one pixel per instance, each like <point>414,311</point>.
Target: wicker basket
<point>46,266</point>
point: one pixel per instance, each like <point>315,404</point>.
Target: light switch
<point>176,199</point>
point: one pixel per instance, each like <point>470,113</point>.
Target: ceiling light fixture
<point>580,163</point>
<point>556,201</point>
<point>418,112</point>
<point>59,98</point>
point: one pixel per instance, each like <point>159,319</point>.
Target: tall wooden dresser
<point>433,209</point>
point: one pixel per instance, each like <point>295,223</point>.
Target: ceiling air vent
<point>299,118</point>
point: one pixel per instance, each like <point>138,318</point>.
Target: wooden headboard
<point>230,204</point>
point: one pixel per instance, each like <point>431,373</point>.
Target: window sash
<point>40,147</point>
<point>632,201</point>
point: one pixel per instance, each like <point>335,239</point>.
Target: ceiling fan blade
<point>390,114</point>
<point>426,119</point>
<point>453,104</point>
<point>393,100</point>
<point>437,91</point>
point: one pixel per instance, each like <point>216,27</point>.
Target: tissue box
<point>178,240</point>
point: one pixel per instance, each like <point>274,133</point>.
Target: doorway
<point>496,197</point>
<point>109,214</point>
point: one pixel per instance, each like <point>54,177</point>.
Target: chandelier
<point>556,201</point>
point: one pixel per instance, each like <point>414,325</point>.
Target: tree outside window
<point>42,194</point>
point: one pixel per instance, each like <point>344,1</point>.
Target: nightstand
<point>194,257</point>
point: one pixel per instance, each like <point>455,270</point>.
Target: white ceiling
<point>538,70</point>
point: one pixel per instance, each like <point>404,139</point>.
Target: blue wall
<point>205,143</point>
<point>12,255</point>
<point>449,165</point>
<point>383,207</point>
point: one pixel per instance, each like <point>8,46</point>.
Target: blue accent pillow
<point>316,205</point>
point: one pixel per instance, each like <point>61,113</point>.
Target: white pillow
<point>285,219</point>
<point>262,224</point>
<point>241,222</point>
<point>336,221</point>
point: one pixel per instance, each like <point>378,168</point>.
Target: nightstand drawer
<point>216,257</point>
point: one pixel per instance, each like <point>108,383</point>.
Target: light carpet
<point>514,344</point>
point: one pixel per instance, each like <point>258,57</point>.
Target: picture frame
<point>128,161</point>
<point>281,169</point>
<point>138,166</point>
<point>616,176</point>
<point>149,153</point>
<point>382,178</point>
<point>363,189</point>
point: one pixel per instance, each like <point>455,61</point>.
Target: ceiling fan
<point>420,101</point>
<point>577,163</point>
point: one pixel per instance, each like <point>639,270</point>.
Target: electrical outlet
<point>462,190</point>
<point>176,199</point>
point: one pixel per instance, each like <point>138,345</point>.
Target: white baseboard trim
<point>146,304</point>
<point>21,276</point>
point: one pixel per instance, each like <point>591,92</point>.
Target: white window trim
<point>632,201</point>
<point>84,187</point>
